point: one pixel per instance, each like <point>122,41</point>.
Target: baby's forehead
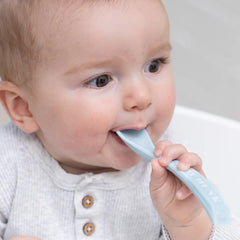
<point>63,10</point>
<point>51,16</point>
<point>56,18</point>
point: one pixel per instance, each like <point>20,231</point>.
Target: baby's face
<point>108,71</point>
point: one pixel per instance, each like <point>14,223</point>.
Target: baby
<point>73,73</point>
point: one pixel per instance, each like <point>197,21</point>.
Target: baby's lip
<point>129,127</point>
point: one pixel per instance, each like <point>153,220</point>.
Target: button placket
<point>87,214</point>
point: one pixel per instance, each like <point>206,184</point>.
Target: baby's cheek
<point>81,146</point>
<point>102,122</point>
<point>88,138</point>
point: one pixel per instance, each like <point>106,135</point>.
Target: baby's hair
<point>23,35</point>
<point>18,54</point>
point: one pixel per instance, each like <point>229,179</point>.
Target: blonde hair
<point>18,54</point>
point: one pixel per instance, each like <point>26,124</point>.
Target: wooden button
<point>88,229</point>
<point>87,201</point>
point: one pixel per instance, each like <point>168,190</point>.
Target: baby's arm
<point>181,213</point>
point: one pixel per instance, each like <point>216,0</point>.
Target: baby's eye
<point>100,81</point>
<point>154,66</point>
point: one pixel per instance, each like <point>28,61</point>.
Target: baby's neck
<point>78,171</point>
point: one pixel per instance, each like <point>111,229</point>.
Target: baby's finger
<point>158,176</point>
<point>183,193</point>
<point>171,152</point>
<point>160,146</point>
<point>188,160</point>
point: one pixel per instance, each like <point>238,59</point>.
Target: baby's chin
<point>132,160</point>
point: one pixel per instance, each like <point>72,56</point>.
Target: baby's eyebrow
<point>83,66</point>
<point>161,48</point>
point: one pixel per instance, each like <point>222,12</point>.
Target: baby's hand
<point>175,203</point>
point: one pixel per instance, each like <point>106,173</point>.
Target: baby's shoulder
<point>13,143</point>
<point>10,145</point>
<point>11,138</point>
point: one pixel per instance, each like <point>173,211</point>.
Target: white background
<point>205,37</point>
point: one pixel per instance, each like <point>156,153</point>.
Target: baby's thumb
<point>158,176</point>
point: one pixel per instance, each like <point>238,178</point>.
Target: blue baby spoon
<point>210,198</point>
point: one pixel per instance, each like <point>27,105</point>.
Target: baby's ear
<point>17,107</point>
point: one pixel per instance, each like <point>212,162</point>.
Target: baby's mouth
<point>117,138</point>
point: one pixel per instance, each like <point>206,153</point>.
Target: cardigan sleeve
<point>164,234</point>
<point>229,232</point>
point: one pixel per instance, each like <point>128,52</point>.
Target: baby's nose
<point>137,96</point>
